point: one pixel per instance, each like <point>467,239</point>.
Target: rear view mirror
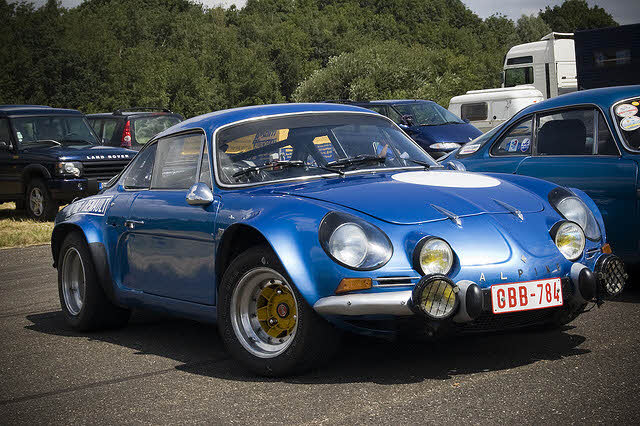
<point>199,195</point>
<point>455,165</point>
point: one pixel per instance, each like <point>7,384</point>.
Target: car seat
<point>562,137</point>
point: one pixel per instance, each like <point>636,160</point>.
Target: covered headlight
<point>353,242</point>
<point>574,209</point>
<point>435,296</point>
<point>68,168</point>
<point>569,239</point>
<point>433,256</point>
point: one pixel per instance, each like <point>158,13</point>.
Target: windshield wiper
<point>275,165</point>
<point>357,160</point>
<point>422,163</point>
<point>40,141</point>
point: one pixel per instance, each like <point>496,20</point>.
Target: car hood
<point>460,133</point>
<point>84,152</point>
<point>412,197</point>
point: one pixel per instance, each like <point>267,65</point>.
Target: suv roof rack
<point>135,109</point>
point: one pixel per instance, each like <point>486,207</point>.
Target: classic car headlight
<point>68,168</point>
<point>574,209</point>
<point>433,256</point>
<point>353,242</point>
<point>569,239</point>
<point>444,145</point>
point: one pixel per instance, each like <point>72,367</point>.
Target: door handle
<point>131,224</point>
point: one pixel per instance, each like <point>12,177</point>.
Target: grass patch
<point>16,229</point>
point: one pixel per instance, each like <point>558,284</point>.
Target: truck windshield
<point>301,147</point>
<point>516,76</point>
<point>428,114</point>
<point>627,119</point>
<point>55,129</point>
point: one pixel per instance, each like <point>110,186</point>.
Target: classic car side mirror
<point>466,120</point>
<point>455,165</point>
<point>200,195</point>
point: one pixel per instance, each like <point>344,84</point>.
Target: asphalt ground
<point>160,370</point>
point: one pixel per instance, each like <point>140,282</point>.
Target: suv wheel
<point>38,201</point>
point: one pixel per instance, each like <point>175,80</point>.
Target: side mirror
<point>466,120</point>
<point>455,165</point>
<point>199,195</point>
<point>5,145</point>
<point>105,141</point>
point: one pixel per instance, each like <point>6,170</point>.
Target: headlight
<point>66,168</point>
<point>569,239</point>
<point>444,145</point>
<point>433,256</point>
<point>572,208</point>
<point>353,242</point>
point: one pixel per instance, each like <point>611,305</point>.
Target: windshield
<point>627,119</point>
<point>428,114</point>
<point>65,130</point>
<point>474,145</point>
<point>296,147</point>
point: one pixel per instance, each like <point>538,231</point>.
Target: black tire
<point>49,208</point>
<point>20,205</point>
<point>314,342</point>
<point>96,312</point>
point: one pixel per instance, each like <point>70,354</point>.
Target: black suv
<point>50,156</point>
<point>132,128</point>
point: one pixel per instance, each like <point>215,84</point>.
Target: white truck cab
<point>532,72</point>
<point>548,64</point>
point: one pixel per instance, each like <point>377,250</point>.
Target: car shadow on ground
<point>360,359</point>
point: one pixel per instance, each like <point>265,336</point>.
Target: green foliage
<point>107,54</point>
<point>575,15</point>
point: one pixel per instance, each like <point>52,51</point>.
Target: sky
<point>623,11</point>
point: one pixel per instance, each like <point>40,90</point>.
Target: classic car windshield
<point>428,114</point>
<point>628,121</point>
<point>295,147</point>
<point>65,130</point>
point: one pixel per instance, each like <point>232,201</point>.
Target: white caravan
<point>487,108</point>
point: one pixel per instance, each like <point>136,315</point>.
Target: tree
<point>531,28</point>
<point>575,15</point>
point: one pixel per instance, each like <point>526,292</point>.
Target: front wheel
<point>264,321</point>
<point>39,203</point>
<point>82,299</point>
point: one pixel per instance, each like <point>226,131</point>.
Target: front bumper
<point>66,190</point>
<point>581,286</point>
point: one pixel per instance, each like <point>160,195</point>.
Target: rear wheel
<point>38,201</point>
<point>264,321</point>
<point>82,299</point>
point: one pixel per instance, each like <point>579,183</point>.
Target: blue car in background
<point>437,130</point>
<point>285,223</point>
<point>588,140</point>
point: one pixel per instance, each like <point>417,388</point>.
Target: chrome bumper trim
<point>387,303</point>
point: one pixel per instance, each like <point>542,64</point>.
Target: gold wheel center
<point>276,310</point>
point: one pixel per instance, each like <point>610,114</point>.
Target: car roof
<point>399,101</point>
<point>603,97</point>
<point>209,122</point>
<point>33,110</point>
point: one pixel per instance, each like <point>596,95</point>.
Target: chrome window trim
<point>623,141</point>
<point>304,178</point>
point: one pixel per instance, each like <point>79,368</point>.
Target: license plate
<point>526,296</point>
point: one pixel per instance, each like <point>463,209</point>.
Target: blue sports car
<point>589,140</point>
<point>285,223</point>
